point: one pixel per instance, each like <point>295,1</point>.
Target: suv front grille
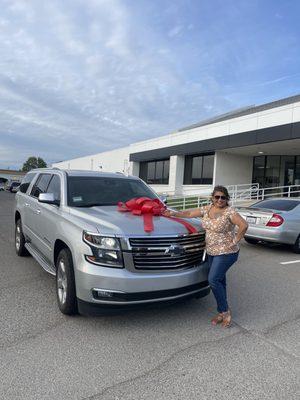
<point>155,253</point>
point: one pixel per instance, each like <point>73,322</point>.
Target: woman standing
<point>222,244</point>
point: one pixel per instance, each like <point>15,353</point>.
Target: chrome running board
<point>40,259</point>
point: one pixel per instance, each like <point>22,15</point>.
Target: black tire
<point>251,241</point>
<point>296,246</point>
<point>20,240</point>
<point>65,283</point>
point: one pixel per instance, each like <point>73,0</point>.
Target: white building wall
<point>110,161</point>
<point>232,169</point>
<point>263,119</point>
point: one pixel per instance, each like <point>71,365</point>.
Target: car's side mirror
<point>48,198</point>
<point>163,199</point>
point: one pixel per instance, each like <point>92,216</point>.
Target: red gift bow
<point>148,208</point>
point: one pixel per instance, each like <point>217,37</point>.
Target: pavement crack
<point>280,324</point>
<point>159,365</point>
<point>263,337</point>
<point>29,337</point>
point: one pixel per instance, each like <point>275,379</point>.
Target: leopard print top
<point>219,232</point>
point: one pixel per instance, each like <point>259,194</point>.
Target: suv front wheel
<point>65,283</point>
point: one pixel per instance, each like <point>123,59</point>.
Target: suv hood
<point>108,220</point>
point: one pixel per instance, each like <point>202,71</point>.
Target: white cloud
<point>78,77</point>
<point>175,31</point>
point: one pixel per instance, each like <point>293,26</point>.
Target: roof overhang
<point>275,134</point>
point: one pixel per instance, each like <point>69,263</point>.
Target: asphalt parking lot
<point>165,352</point>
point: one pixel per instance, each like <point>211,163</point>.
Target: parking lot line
<point>290,262</point>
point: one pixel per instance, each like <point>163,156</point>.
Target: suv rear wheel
<point>65,283</point>
<point>20,240</point>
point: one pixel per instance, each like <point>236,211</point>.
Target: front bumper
<point>96,285</point>
<point>145,298</point>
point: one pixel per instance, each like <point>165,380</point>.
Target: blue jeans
<point>218,266</point>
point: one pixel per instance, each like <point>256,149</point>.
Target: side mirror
<point>48,198</point>
<point>163,199</point>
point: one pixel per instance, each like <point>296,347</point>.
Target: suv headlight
<point>106,250</point>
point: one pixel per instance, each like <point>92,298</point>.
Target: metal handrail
<point>254,193</point>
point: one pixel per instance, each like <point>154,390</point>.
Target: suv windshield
<point>86,191</point>
<point>281,205</point>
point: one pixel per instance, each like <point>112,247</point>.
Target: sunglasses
<point>220,197</point>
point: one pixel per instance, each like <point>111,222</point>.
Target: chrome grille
<point>150,253</point>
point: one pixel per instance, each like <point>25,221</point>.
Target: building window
<point>155,172</point>
<point>272,171</point>
<point>297,171</point>
<point>198,170</point>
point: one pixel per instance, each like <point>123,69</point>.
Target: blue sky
<point>79,77</point>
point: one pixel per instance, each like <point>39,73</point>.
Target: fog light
<point>106,294</point>
<point>102,294</point>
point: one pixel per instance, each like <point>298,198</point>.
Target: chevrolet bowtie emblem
<point>175,250</point>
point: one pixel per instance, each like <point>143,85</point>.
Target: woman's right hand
<point>168,213</point>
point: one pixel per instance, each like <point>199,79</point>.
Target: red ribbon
<point>148,208</point>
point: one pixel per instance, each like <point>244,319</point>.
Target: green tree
<point>32,163</point>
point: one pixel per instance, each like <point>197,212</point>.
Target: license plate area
<point>251,220</point>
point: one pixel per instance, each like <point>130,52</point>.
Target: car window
<point>40,185</point>
<point>280,205</point>
<point>54,187</point>
<point>26,182</point>
<point>86,191</point>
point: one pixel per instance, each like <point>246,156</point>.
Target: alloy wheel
<point>62,284</point>
<point>18,237</point>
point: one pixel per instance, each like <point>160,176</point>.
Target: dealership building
<point>256,144</point>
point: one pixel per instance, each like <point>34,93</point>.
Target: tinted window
<point>259,164</point>
<point>41,185</point>
<point>159,170</point>
<point>166,171</point>
<point>54,187</point>
<point>155,172</point>
<point>151,172</point>
<point>208,170</point>
<point>87,191</point>
<point>26,182</point>
<point>198,170</point>
<point>281,205</point>
<point>272,171</point>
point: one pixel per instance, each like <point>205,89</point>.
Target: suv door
<point>22,202</point>
<point>33,219</point>
<point>48,219</point>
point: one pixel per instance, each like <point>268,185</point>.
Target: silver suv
<point>69,222</point>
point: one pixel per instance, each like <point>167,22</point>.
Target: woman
<point>222,244</point>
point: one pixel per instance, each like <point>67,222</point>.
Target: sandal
<point>226,319</point>
<point>217,319</point>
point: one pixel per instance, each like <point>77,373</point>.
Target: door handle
<point>37,211</point>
